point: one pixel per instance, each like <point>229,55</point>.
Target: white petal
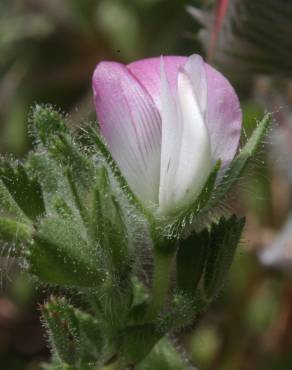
<point>195,157</point>
<point>195,69</point>
<point>186,158</point>
<point>170,144</point>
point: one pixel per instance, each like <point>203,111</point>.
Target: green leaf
<point>63,331</point>
<point>163,357</point>
<point>23,187</point>
<point>110,225</point>
<point>57,364</point>
<point>15,232</point>
<point>139,340</point>
<point>57,188</point>
<point>191,260</point>
<point>8,207</point>
<point>65,169</point>
<point>61,255</point>
<point>69,154</point>
<point>224,240</point>
<point>46,123</point>
<point>51,179</point>
<point>75,336</point>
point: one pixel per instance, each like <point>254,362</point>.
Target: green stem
<point>163,263</point>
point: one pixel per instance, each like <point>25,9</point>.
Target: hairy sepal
<point>241,161</point>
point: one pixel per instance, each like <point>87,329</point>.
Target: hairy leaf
<point>224,240</point>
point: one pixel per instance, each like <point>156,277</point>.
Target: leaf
<point>77,190</point>
<point>8,207</point>
<point>46,123</point>
<point>50,177</point>
<point>75,336</point>
<point>163,357</point>
<point>191,261</point>
<point>110,226</point>
<point>64,169</point>
<point>23,187</point>
<point>58,192</point>
<point>69,154</point>
<point>16,232</point>
<point>60,255</point>
<point>56,364</point>
<point>224,239</point>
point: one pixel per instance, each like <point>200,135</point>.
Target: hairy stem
<point>163,264</point>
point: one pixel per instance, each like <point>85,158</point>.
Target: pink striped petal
<point>131,126</point>
<point>224,117</point>
<point>147,71</point>
<point>223,114</point>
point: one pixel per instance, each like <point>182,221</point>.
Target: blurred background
<point>48,50</point>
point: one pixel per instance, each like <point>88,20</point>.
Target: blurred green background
<point>48,50</point>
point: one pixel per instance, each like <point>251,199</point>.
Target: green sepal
<point>241,161</point>
<point>75,336</point>
<point>191,260</point>
<point>61,255</point>
<point>224,240</point>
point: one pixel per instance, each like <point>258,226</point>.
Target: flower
<point>166,122</point>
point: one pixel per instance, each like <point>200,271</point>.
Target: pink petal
<point>224,117</point>
<point>131,126</point>
<point>147,71</point>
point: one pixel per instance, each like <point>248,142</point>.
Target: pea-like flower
<point>167,121</point>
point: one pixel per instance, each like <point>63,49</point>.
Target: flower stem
<point>163,263</point>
